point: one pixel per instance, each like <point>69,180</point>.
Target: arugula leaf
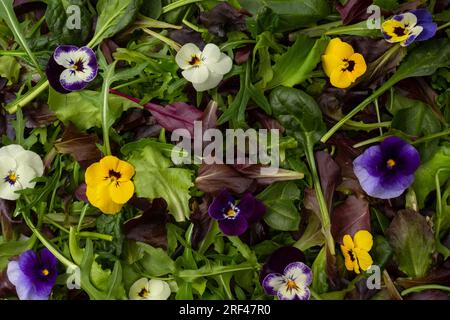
<point>9,69</point>
<point>156,178</point>
<point>155,261</point>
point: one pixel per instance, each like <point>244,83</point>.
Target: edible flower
<point>109,185</point>
<point>341,64</point>
<point>234,218</point>
<point>18,167</point>
<point>71,68</point>
<point>205,69</point>
<point>144,289</point>
<point>414,25</point>
<point>356,251</point>
<point>292,284</point>
<point>385,171</point>
<point>33,276</point>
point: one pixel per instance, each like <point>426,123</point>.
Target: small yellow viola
<point>356,251</point>
<point>109,184</point>
<point>341,64</point>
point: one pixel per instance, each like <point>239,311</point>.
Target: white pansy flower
<point>17,168</point>
<point>205,69</point>
<point>153,289</point>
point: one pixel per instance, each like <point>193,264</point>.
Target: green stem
<point>177,4</point>
<point>95,235</point>
<point>174,45</point>
<point>443,26</point>
<point>432,136</point>
<point>28,97</point>
<point>425,287</point>
<point>370,141</point>
<point>377,109</point>
<point>325,217</point>
<point>48,245</point>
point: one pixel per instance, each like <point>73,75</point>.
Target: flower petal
<point>137,287</point>
<point>126,170</point>
<point>341,50</point>
<point>197,74</point>
<point>31,159</point>
<point>422,15</point>
<point>412,35</point>
<point>299,272</point>
<point>185,54</point>
<point>72,80</point>
<point>24,176</point>
<point>212,82</point>
<point>360,64</point>
<point>211,53</point>
<point>24,286</point>
<point>408,19</point>
<point>428,32</point>
<point>234,227</point>
<point>110,163</point>
<point>223,66</point>
<point>393,186</point>
<point>121,192</point>
<point>363,240</point>
<point>98,196</point>
<point>90,63</point>
<point>158,289</point>
<point>272,283</point>
<point>372,160</point>
<point>348,242</point>
<point>341,79</point>
<point>65,55</point>
<point>347,258</point>
<point>364,259</point>
<point>220,205</point>
<point>95,173</point>
<point>330,63</point>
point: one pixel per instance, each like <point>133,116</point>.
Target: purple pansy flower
<point>235,218</point>
<point>292,284</point>
<point>385,171</point>
<point>414,25</point>
<point>71,68</point>
<point>33,276</point>
<point>279,259</point>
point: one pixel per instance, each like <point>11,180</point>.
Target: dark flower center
<point>291,285</point>
<point>349,65</point>
<point>11,178</point>
<point>143,293</point>
<point>351,255</point>
<point>78,65</point>
<point>391,163</point>
<point>195,61</point>
<point>399,31</point>
<point>114,174</point>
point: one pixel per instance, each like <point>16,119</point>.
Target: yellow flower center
<point>143,293</point>
<point>231,213</point>
<point>291,285</point>
<point>11,178</point>
<point>195,61</point>
<point>391,163</point>
<point>45,272</point>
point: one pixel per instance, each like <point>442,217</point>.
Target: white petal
<point>31,159</point>
<point>284,293</point>
<point>212,82</point>
<point>136,288</point>
<point>211,53</point>
<point>18,279</point>
<point>66,55</point>
<point>11,150</point>
<point>7,164</point>
<point>223,66</point>
<point>24,176</point>
<point>8,191</point>
<point>159,290</point>
<point>185,54</point>
<point>72,80</point>
<point>409,19</point>
<point>197,74</point>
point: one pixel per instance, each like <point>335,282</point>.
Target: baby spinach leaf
<point>296,65</point>
<point>157,178</point>
<point>279,199</point>
<point>411,238</point>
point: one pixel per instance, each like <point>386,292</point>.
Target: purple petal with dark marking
<point>234,227</point>
<point>299,272</point>
<point>53,72</point>
<point>220,205</point>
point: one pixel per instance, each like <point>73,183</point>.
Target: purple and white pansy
<point>385,171</point>
<point>414,25</point>
<point>71,68</point>
<point>292,284</point>
<point>234,218</point>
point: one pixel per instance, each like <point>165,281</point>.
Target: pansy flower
<point>356,251</point>
<point>234,218</point>
<point>18,167</point>
<point>144,289</point>
<point>341,64</point>
<point>279,259</point>
<point>109,185</point>
<point>71,68</point>
<point>414,25</point>
<point>33,276</point>
<point>205,69</point>
<point>292,284</point>
<point>385,171</point>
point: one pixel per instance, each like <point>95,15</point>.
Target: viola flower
<point>341,64</point>
<point>33,276</point>
<point>292,284</point>
<point>414,25</point>
<point>387,170</point>
<point>356,251</point>
<point>205,69</point>
<point>234,218</point>
<point>280,259</point>
<point>71,68</point>
<point>144,289</point>
<point>109,185</point>
<point>18,167</point>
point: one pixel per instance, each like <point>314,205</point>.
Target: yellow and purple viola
<point>356,251</point>
<point>233,218</point>
<point>33,275</point>
<point>71,68</point>
<point>385,171</point>
<point>414,25</point>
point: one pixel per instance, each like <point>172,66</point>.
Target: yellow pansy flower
<point>109,184</point>
<point>341,64</point>
<point>356,251</point>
